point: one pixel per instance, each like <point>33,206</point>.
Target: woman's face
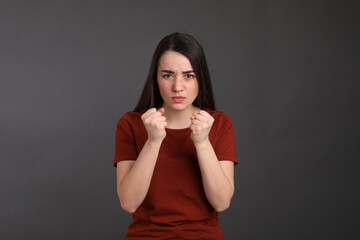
<point>177,81</point>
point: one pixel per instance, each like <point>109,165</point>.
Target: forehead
<point>172,60</point>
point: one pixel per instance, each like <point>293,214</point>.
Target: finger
<point>205,114</point>
<point>148,112</point>
<point>161,125</point>
<point>210,118</point>
<point>158,119</point>
<point>193,116</point>
<point>162,118</point>
<point>153,115</point>
<point>197,122</point>
<point>201,118</point>
<point>194,129</point>
<point>164,124</point>
<point>162,110</point>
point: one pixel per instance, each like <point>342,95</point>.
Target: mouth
<point>178,99</point>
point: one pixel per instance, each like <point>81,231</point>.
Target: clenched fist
<point>155,123</point>
<point>200,126</point>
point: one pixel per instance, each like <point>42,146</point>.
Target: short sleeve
<point>225,144</point>
<point>125,148</point>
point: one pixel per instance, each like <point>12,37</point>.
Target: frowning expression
<point>177,81</point>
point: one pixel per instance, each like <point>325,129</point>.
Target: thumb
<point>162,110</point>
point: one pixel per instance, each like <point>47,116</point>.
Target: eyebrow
<point>168,71</point>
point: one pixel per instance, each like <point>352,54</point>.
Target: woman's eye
<point>189,76</point>
<point>166,75</point>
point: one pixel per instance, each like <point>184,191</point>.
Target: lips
<point>178,99</point>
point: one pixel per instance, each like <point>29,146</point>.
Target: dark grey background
<point>286,72</point>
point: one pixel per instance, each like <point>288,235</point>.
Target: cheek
<point>195,88</point>
<point>162,87</point>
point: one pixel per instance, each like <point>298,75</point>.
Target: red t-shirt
<point>175,206</point>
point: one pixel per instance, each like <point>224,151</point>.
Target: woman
<point>175,153</point>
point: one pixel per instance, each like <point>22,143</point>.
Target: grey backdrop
<point>286,72</point>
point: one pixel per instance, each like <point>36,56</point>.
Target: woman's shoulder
<point>130,118</point>
<point>132,115</point>
<point>218,115</point>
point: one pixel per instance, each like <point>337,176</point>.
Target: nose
<point>178,84</point>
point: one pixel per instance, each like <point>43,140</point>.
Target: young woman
<point>175,153</point>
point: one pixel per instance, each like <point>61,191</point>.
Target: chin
<point>178,107</point>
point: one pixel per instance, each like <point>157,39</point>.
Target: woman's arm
<point>217,176</point>
<point>134,177</point>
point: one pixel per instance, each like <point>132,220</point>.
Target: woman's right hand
<point>155,123</point>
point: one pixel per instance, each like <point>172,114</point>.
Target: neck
<point>178,119</point>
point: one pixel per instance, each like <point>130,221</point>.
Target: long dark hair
<point>190,48</point>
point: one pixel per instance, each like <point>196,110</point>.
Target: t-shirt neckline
<point>175,130</point>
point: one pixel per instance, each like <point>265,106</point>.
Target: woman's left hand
<point>200,126</point>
